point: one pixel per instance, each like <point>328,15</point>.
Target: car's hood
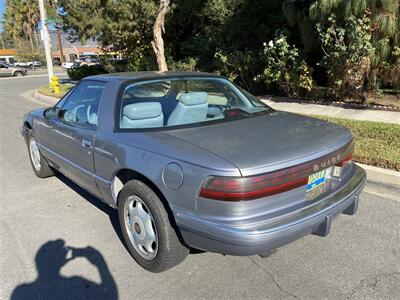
<point>265,143</point>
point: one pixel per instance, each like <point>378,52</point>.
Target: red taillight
<point>253,187</point>
<point>346,160</point>
<point>242,188</point>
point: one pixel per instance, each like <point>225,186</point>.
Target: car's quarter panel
<point>149,154</point>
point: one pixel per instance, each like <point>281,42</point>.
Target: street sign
<point>54,20</point>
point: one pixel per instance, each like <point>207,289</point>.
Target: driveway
<point>57,240</point>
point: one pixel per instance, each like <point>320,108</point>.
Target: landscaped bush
<point>238,66</point>
<point>189,64</point>
<point>285,67</point>
<point>85,70</point>
<point>346,57</point>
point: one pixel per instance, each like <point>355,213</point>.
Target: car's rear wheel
<point>18,74</point>
<point>39,164</point>
<point>150,238</point>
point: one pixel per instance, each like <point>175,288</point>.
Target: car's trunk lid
<point>269,142</point>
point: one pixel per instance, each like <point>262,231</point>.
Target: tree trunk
<point>31,41</point>
<point>35,35</point>
<point>158,30</point>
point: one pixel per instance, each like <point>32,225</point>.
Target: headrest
<point>142,110</point>
<point>193,98</point>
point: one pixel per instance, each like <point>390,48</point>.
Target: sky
<point>2,7</point>
<point>63,36</point>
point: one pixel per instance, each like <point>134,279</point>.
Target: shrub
<point>85,70</point>
<point>285,67</point>
<point>391,69</point>
<point>112,65</point>
<point>238,66</point>
<point>188,64</point>
<point>346,55</point>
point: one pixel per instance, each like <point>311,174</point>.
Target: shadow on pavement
<point>111,212</point>
<point>50,284</point>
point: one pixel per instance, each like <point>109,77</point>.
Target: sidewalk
<point>338,112</point>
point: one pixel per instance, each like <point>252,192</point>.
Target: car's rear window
<point>184,101</point>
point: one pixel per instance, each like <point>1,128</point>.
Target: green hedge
<point>84,71</point>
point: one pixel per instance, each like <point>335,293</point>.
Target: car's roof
<point>148,75</point>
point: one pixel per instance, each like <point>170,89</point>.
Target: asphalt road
<point>39,218</point>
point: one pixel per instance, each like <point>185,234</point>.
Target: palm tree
<point>30,11</point>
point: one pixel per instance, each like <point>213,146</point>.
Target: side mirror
<point>51,113</point>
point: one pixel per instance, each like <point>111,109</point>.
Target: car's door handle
<point>86,144</point>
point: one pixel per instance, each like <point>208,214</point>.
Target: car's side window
<point>82,105</point>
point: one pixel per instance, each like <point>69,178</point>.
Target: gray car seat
<point>142,115</point>
<point>192,108</point>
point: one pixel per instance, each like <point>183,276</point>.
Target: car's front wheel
<point>39,164</point>
<point>151,239</point>
<point>18,74</point>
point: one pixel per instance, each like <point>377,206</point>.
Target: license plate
<point>315,180</point>
<point>316,184</point>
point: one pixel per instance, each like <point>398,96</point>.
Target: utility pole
<point>46,40</point>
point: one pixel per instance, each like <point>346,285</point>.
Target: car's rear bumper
<point>251,239</point>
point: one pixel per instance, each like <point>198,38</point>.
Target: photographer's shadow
<point>50,284</point>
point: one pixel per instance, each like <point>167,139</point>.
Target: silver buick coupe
<point>193,162</point>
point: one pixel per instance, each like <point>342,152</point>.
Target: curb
<point>45,98</point>
<point>381,175</point>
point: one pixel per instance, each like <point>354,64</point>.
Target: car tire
<point>39,164</point>
<point>135,201</point>
<point>18,74</point>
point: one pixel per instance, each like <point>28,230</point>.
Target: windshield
<point>183,101</point>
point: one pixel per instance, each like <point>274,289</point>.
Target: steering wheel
<point>73,114</point>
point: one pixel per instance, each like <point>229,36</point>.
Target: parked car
<point>8,70</point>
<point>29,64</point>
<point>67,64</point>
<point>86,61</point>
<point>191,161</point>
